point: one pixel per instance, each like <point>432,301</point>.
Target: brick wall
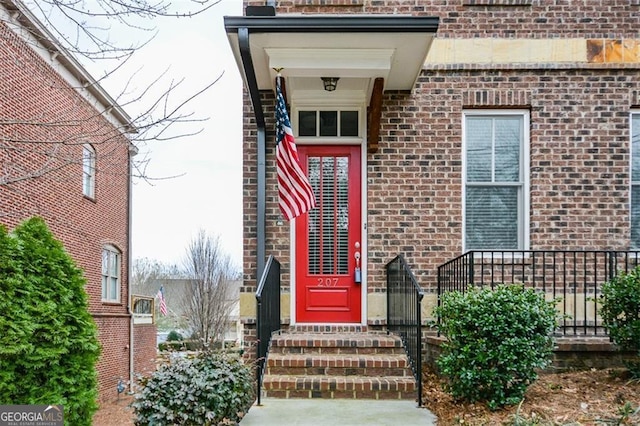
<point>579,147</point>
<point>43,124</point>
<point>500,18</point>
<point>579,182</point>
<point>145,344</point>
<point>579,161</point>
<point>113,365</point>
<point>568,354</point>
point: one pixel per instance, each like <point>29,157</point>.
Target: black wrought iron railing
<point>572,277</point>
<point>404,297</point>
<point>267,314</point>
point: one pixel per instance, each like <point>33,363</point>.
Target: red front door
<point>328,238</point>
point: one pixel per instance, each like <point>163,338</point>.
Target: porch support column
<point>375,115</point>
<point>254,94</point>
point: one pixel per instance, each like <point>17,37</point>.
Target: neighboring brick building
<point>65,156</point>
<point>515,131</point>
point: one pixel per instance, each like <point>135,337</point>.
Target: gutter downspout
<point>254,93</point>
<point>133,151</point>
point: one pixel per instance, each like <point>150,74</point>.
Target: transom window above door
<point>328,123</point>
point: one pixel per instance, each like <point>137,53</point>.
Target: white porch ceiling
<point>356,58</point>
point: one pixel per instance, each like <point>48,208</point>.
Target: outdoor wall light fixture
<point>330,83</point>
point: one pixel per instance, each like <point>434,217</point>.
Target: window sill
<point>143,319</point>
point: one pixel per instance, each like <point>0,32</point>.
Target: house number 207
<point>327,282</point>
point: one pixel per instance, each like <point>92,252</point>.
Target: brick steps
<point>364,343</point>
<point>320,386</point>
<point>338,365</point>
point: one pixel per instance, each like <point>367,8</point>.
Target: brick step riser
<point>332,329</point>
<point>308,394</point>
<point>336,350</point>
<point>343,384</point>
<point>296,362</point>
<point>339,371</point>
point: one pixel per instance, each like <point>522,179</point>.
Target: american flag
<point>163,303</point>
<point>294,190</point>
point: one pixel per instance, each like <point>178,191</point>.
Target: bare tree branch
<point>85,29</point>
<point>209,299</point>
<point>94,21</point>
<point>145,274</point>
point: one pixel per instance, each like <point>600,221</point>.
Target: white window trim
<point>147,317</point>
<point>632,113</point>
<point>91,190</point>
<point>332,140</point>
<point>118,255</point>
<point>524,223</point>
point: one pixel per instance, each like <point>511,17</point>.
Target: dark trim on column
<point>254,93</point>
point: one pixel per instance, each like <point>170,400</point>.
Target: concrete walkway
<point>337,412</point>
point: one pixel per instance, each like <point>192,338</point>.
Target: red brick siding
<point>568,354</point>
<point>144,357</point>
<point>579,146</point>
<point>579,161</point>
<point>43,120</point>
<point>459,18</point>
<point>579,183</point>
<point>249,342</point>
<point>113,365</point>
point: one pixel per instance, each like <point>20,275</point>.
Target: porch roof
<point>356,48</point>
<point>367,52</point>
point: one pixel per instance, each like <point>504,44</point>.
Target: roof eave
<point>326,33</point>
<point>333,23</point>
<point>28,20</point>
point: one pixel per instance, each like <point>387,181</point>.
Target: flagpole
<point>283,87</point>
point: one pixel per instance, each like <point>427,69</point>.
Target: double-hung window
<point>495,177</point>
<point>111,259</point>
<point>88,171</point>
<point>635,180</point>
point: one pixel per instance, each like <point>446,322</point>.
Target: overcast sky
<point>168,213</point>
<point>207,194</point>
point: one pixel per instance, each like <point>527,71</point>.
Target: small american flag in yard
<point>163,303</point>
<point>294,190</point>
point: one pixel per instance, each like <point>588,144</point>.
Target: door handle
<point>357,273</point>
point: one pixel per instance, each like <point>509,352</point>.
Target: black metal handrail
<point>404,297</point>
<point>574,277</point>
<point>267,314</point>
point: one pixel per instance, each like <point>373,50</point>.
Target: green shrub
<point>496,339</point>
<point>621,313</point>
<point>174,336</point>
<point>180,345</point>
<point>193,345</point>
<point>210,389</point>
<point>48,343</point>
